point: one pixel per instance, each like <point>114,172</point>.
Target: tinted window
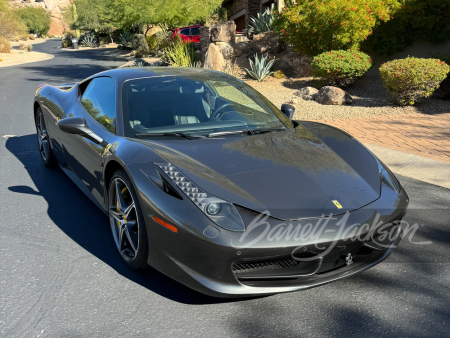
<point>184,31</point>
<point>199,104</point>
<point>99,100</point>
<point>195,31</point>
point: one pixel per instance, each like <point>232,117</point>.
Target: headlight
<point>221,212</point>
<point>387,177</point>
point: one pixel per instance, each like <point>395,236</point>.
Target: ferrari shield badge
<point>337,204</point>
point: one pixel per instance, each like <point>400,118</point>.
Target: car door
<point>97,105</point>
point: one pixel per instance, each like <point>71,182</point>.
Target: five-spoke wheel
<point>43,140</point>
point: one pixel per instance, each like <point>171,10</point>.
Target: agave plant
<point>260,68</point>
<point>263,22</point>
<point>125,40</point>
<point>88,40</point>
<point>141,63</point>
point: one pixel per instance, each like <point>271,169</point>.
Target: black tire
<point>122,233</point>
<point>44,142</point>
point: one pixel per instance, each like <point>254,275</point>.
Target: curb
<point>413,166</point>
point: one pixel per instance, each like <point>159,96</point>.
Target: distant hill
<point>54,7</point>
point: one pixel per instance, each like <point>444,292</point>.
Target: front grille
<point>264,265</point>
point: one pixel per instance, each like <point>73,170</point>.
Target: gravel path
<point>369,99</point>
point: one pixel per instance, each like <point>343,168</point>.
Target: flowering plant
<point>316,26</point>
<point>410,79</point>
<point>340,67</point>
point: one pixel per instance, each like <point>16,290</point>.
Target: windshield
<point>196,104</point>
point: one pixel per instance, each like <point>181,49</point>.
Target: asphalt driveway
<point>60,275</point>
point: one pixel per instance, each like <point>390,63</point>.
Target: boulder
<point>294,64</point>
<point>226,50</point>
<point>333,96</point>
<point>241,48</point>
<point>224,32</point>
<point>241,38</point>
<point>214,59</point>
<point>268,42</point>
<point>306,93</point>
<point>56,27</point>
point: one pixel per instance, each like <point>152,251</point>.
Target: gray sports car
<point>206,180</point>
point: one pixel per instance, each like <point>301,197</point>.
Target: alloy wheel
<point>123,219</point>
<point>42,136</point>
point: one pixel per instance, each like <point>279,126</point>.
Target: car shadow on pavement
<point>84,223</point>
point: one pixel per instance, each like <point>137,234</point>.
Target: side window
<point>195,31</point>
<point>99,100</point>
<point>184,31</point>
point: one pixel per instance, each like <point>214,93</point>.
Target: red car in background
<point>188,34</point>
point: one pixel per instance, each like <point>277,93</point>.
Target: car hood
<point>291,174</point>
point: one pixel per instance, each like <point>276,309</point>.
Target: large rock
<point>226,50</point>
<point>333,96</point>
<point>56,27</point>
<point>294,64</point>
<point>306,93</point>
<point>241,48</point>
<point>268,42</point>
<point>224,32</point>
<point>214,59</point>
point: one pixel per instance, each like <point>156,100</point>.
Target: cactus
<point>75,19</point>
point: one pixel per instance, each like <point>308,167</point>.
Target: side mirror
<point>78,126</point>
<point>288,110</point>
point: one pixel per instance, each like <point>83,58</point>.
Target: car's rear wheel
<point>126,220</point>
<point>47,156</point>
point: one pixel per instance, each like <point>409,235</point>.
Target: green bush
<point>37,19</point>
<point>31,37</point>
<point>315,27</point>
<point>340,67</point>
<point>279,74</point>
<point>263,22</point>
<point>260,68</point>
<point>180,54</point>
<point>445,85</point>
<point>153,43</point>
<point>413,20</point>
<point>30,48</point>
<point>139,43</point>
<point>67,40</point>
<point>410,79</point>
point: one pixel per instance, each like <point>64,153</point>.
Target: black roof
<point>124,74</point>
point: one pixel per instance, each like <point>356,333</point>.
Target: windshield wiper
<point>187,136</point>
<point>246,131</point>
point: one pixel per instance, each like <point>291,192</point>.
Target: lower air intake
<point>239,268</point>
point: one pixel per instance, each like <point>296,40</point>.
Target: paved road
<point>60,275</point>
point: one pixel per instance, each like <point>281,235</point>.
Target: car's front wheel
<point>126,220</point>
<point>44,140</point>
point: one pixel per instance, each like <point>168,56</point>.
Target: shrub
<point>138,62</point>
<point>153,43</point>
<point>180,54</point>
<point>414,20</point>
<point>125,41</point>
<point>10,24</point>
<point>410,79</point>
<point>67,40</point>
<point>278,74</point>
<point>37,19</point>
<point>88,40</point>
<point>138,42</point>
<point>260,68</point>
<point>231,68</point>
<point>138,54</point>
<point>30,48</point>
<point>21,46</point>
<point>31,37</point>
<point>445,85</point>
<point>5,45</point>
<point>340,67</point>
<point>263,22</point>
<point>316,27</point>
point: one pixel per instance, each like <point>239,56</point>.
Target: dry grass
<point>5,45</point>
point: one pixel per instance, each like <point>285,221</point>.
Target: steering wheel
<point>216,113</point>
